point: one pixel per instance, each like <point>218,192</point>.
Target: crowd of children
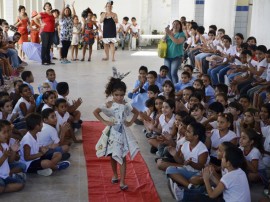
<point>36,129</point>
<point>226,104</point>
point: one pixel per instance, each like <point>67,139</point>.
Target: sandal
<point>82,59</point>
<point>89,59</point>
<point>114,181</point>
<point>124,187</point>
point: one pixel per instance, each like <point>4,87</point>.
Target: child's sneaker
<point>65,156</point>
<point>45,172</point>
<point>63,165</point>
<point>178,192</point>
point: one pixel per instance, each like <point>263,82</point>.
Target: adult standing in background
<point>22,23</point>
<point>109,20</point>
<point>66,30</point>
<point>47,27</point>
<point>34,29</point>
<point>175,39</point>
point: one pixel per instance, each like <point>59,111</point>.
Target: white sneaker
<point>171,186</point>
<point>45,172</point>
<point>178,192</point>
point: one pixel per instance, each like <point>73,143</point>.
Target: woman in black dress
<point>109,20</point>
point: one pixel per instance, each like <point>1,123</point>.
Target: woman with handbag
<point>175,39</point>
<point>22,23</point>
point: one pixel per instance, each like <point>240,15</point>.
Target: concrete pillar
<point>9,11</point>
<point>175,10</point>
<point>199,12</point>
<point>241,17</point>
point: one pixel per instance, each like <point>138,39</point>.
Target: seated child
<point>185,82</point>
<point>163,71</point>
<point>63,117</point>
<point>49,98</point>
<point>26,104</point>
<point>15,94</point>
<point>212,114</point>
<point>63,92</point>
<point>42,89</point>
<point>34,156</point>
<point>48,137</point>
<point>168,90</point>
<point>209,91</point>
<point>152,80</point>
<point>198,111</point>
<point>7,154</point>
<point>28,78</point>
<point>50,75</point>
<point>194,156</point>
<point>236,109</point>
<point>234,184</point>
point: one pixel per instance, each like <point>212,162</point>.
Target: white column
<point>8,11</point>
<point>199,12</point>
<point>175,10</point>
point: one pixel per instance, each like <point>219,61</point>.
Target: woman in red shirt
<point>47,27</point>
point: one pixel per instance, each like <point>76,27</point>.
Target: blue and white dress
<point>117,140</point>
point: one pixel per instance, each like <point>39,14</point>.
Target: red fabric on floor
<point>100,189</point>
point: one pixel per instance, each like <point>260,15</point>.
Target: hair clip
<point>118,75</point>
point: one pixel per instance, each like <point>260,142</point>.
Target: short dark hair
<point>212,32</point>
<point>186,73</point>
<point>194,26</point>
<point>47,94</point>
<point>150,102</point>
<point>17,81</point>
<point>21,7</point>
<point>245,97</point>
<point>47,3</point>
<point>32,120</point>
<point>2,125</point>
<point>235,156</point>
<point>48,71</point>
<point>214,27</point>
<point>268,51</point>
<point>3,102</point>
<point>46,113</point>
<point>126,18</point>
<point>55,11</point>
<point>221,30</point>
<point>246,52</point>
<point>21,87</point>
<point>201,29</point>
<point>252,47</point>
<point>3,93</point>
<point>154,73</point>
<point>164,67</point>
<point>237,106</point>
<point>59,101</point>
<point>222,88</point>
<point>171,103</point>
<point>262,48</point>
<point>25,75</point>
<point>216,107</point>
<point>227,38</point>
<point>240,35</point>
<point>190,67</point>
<point>62,88</point>
<point>143,68</point>
<point>153,88</point>
<point>252,38</point>
<point>133,18</point>
<point>198,129</point>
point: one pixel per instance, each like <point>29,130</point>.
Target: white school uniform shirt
<point>166,126</point>
<point>48,135</point>
<point>8,117</point>
<point>180,142</point>
<point>17,107</point>
<point>236,186</point>
<point>268,72</point>
<point>264,64</point>
<point>29,140</point>
<point>254,154</point>
<point>203,119</point>
<point>4,168</point>
<point>266,157</point>
<point>193,154</point>
<point>135,29</point>
<point>45,106</point>
<point>230,51</point>
<point>61,119</point>
<point>124,27</point>
<point>216,140</point>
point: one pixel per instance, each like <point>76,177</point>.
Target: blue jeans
<point>212,72</point>
<point>20,165</point>
<point>222,73</point>
<point>124,39</point>
<point>181,171</point>
<point>231,76</point>
<point>13,55</point>
<point>173,65</point>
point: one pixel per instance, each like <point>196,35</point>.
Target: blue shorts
<point>11,180</point>
<point>182,171</point>
<point>20,165</point>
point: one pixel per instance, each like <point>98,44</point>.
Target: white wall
<point>260,26</point>
<point>161,15</point>
<point>187,8</point>
<point>220,13</point>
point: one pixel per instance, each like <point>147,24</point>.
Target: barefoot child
<point>120,140</point>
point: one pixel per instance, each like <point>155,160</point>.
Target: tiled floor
<point>87,80</point>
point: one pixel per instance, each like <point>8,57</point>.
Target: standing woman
<point>109,20</point>
<point>175,39</point>
<point>66,30</point>
<point>47,27</point>
<point>22,23</point>
<point>34,29</point>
